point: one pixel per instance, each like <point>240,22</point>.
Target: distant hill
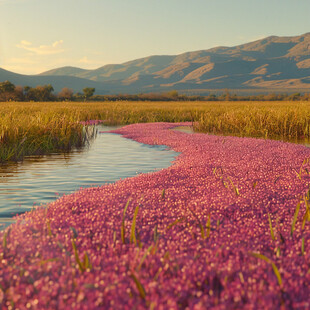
<point>270,63</point>
<point>58,82</point>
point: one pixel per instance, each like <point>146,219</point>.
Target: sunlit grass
<point>28,128</point>
<point>28,132</point>
<point>286,120</point>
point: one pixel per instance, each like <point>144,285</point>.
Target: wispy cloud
<point>90,62</point>
<point>54,48</point>
<point>87,61</point>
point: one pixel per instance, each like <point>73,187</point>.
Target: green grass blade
<point>271,229</point>
<point>75,233</point>
<point>277,273</point>
<point>306,216</point>
<point>298,174</point>
<point>202,231</point>
<point>155,238</point>
<point>295,218</point>
<point>163,194</point>
<point>123,223</point>
<point>269,261</point>
<point>261,256</point>
<point>208,226</point>
<point>182,219</point>
<point>139,286</point>
<point>133,227</point>
<point>86,262</point>
<point>5,238</point>
<point>76,255</point>
<point>145,256</point>
<point>234,187</point>
<point>42,262</point>
<point>49,228</point>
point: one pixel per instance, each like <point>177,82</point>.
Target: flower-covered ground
<point>225,227</point>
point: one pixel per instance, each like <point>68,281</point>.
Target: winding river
<point>40,180</point>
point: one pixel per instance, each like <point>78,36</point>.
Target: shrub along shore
<point>28,128</point>
<point>226,227</point>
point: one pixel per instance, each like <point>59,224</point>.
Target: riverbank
<point>217,229</point>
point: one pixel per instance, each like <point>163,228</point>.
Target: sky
<point>39,35</point>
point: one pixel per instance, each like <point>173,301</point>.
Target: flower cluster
<point>226,226</point>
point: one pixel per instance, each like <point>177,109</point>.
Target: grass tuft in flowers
<point>234,187</point>
<point>271,228</point>
<point>306,217</point>
<point>163,194</point>
<point>133,227</point>
<point>208,226</point>
<point>177,221</point>
<point>49,230</point>
<point>295,218</point>
<point>5,241</point>
<point>156,234</point>
<point>139,286</point>
<point>269,261</point>
<point>147,252</point>
<point>202,230</point>
<point>83,265</point>
<point>123,232</point>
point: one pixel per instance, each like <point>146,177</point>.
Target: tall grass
<point>277,120</point>
<point>28,128</point>
<point>33,131</point>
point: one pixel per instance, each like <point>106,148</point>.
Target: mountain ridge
<point>271,62</point>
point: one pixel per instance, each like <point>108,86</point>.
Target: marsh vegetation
<point>28,128</point>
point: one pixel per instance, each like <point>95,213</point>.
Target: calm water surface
<point>39,180</point>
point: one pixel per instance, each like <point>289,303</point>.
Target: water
<point>39,180</point>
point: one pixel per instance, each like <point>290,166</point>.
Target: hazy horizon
<point>37,36</point>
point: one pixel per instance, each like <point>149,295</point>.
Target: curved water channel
<point>39,180</point>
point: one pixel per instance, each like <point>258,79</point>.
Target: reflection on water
<point>39,180</point>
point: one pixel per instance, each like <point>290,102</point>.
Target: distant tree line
<point>174,96</point>
<point>10,92</point>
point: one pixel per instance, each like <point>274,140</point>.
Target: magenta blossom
<point>225,227</point>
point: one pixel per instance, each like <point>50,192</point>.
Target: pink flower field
<point>227,226</point>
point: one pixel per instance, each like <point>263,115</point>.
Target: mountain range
<point>270,63</point>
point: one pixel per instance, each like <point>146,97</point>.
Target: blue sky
<point>38,35</point>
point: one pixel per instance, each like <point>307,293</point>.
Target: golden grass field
<point>44,127</point>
